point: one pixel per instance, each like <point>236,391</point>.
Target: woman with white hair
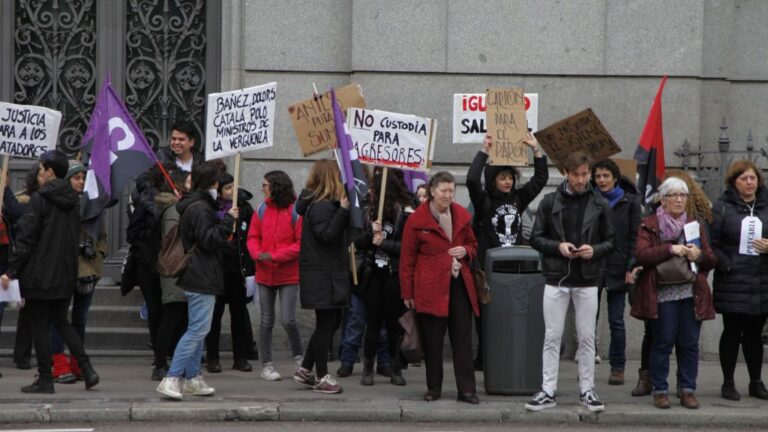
<point>670,294</point>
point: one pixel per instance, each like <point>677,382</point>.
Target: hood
<point>243,195</point>
<point>761,196</point>
<point>490,172</point>
<point>303,202</point>
<point>60,194</point>
<point>165,200</point>
<point>193,197</point>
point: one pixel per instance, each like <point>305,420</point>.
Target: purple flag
<point>119,152</point>
<point>414,179</point>
<point>352,173</point>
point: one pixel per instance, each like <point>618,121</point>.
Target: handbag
<point>410,347</point>
<point>674,271</point>
<point>128,273</point>
<point>481,284</point>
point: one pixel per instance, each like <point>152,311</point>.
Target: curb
<point>403,411</point>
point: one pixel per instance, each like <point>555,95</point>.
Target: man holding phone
<point>574,233</point>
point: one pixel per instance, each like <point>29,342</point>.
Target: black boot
<point>367,378</point>
<point>396,377</point>
<point>43,384</point>
<point>90,376</point>
<point>757,389</point>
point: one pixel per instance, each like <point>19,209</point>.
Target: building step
<point>98,316</point>
<point>110,295</point>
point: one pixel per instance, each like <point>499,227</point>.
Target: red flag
<point>650,149</point>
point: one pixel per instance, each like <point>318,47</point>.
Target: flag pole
<point>4,180</point>
<point>168,178</point>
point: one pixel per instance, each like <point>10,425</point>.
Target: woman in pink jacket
<point>273,241</point>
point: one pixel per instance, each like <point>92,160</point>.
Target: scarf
<point>224,207</point>
<point>613,196</point>
<point>671,228</point>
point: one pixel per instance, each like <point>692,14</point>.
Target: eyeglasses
<point>264,186</point>
<point>675,196</point>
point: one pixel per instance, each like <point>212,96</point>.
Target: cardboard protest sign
<point>312,118</point>
<point>391,139</point>
<point>240,120</point>
<point>582,131</point>
<point>628,168</point>
<point>506,123</point>
<point>469,116</point>
<point>27,131</point>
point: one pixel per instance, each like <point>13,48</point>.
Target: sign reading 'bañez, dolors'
<point>240,120</point>
<point>27,131</point>
<point>391,139</point>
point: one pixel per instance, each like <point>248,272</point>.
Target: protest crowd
<point>396,254</point>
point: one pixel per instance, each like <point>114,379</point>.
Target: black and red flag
<point>650,150</point>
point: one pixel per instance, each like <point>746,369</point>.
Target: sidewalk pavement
<point>127,394</point>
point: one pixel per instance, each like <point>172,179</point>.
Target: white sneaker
<point>268,373</point>
<point>298,359</point>
<point>590,401</point>
<point>541,400</point>
<point>197,387</point>
<point>170,387</point>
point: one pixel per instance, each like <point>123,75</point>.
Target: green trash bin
<point>513,322</point>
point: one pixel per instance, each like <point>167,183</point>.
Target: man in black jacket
<point>44,260</point>
<point>574,234</point>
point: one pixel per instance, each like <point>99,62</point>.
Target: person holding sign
<point>574,233</point>
<point>499,206</point>
<point>673,292</point>
<point>323,268</point>
<point>436,280</point>
<point>740,239</point>
<point>380,284</point>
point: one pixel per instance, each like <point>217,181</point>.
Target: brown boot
<point>661,401</point>
<point>643,387</point>
<point>616,378</point>
<point>688,400</point>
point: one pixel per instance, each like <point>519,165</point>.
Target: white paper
<point>691,230</point>
<point>12,294</point>
<point>252,288</point>
<point>751,229</point>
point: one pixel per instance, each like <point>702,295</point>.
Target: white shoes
<point>268,373</point>
<point>197,387</point>
<point>170,387</point>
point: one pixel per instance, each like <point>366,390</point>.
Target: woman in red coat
<point>435,278</point>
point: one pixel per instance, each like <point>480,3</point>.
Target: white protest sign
<point>469,116</point>
<point>751,229</point>
<point>240,120</point>
<point>27,131</point>
<point>391,139</point>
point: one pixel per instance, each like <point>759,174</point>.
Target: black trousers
<point>47,313</point>
<point>317,349</point>
<point>234,286</point>
<point>459,325</point>
<point>383,305</point>
<point>172,327</point>
<point>22,345</point>
<point>747,331</point>
<point>149,283</point>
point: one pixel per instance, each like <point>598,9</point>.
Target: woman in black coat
<point>323,267</point>
<point>741,276</point>
<point>380,281</point>
<point>202,279</point>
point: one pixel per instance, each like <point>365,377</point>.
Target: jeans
<point>556,302</point>
<point>288,299</point>
<point>46,313</point>
<point>676,326</point>
<point>81,303</point>
<point>616,350</point>
<point>189,350</point>
<point>352,331</point>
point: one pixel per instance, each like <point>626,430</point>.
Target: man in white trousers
<point>574,234</point>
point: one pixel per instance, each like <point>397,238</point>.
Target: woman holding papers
<point>740,240</point>
<point>673,292</point>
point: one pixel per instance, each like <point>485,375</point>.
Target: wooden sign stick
<point>4,179</point>
<point>237,180</point>
<point>382,194</point>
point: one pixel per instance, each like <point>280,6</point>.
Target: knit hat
<point>75,166</point>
